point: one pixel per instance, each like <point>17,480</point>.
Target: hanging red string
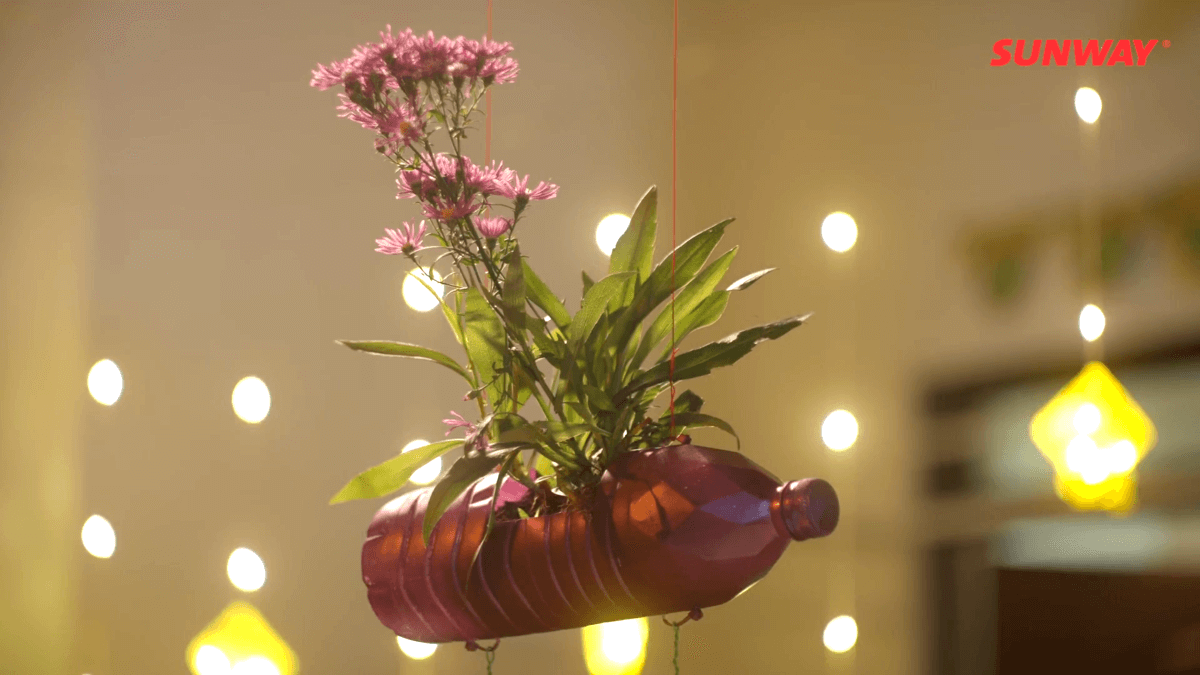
<point>674,183</point>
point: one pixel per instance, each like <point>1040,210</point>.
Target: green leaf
<point>587,282</point>
<point>695,292</point>
<point>748,280</point>
<point>386,348</point>
<point>703,360</point>
<point>562,432</point>
<point>706,314</point>
<point>598,398</point>
<point>595,301</point>
<point>541,296</point>
<point>688,402</point>
<point>505,469</point>
<point>486,346</point>
<point>513,293</point>
<point>461,475</point>
<point>452,317</point>
<point>634,251</point>
<point>689,258</point>
<point>694,420</point>
<point>390,476</point>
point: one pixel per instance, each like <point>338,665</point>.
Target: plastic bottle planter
<point>677,528</point>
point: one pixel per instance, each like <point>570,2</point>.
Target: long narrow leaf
<point>485,341</point>
<point>703,360</point>
<point>634,251</point>
<point>461,475</point>
<point>690,256</point>
<point>694,420</point>
<point>386,348</point>
<point>505,470</point>
<point>595,301</point>
<point>514,292</point>
<point>386,478</point>
<point>695,292</point>
<point>544,298</point>
<point>706,314</point>
<point>748,280</point>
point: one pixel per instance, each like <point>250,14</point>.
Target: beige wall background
<point>229,230</point>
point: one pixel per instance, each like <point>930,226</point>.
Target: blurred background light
<point>251,400</point>
<point>839,231</point>
<point>609,231</point>
<point>1091,323</point>
<point>240,642</point>
<point>430,471</point>
<point>416,291</point>
<point>841,634</point>
<point>417,651</point>
<point>1087,104</point>
<point>246,570</point>
<point>98,536</point>
<point>839,431</point>
<point>105,382</point>
<point>616,648</point>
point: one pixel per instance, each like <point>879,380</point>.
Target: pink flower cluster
<point>399,61</point>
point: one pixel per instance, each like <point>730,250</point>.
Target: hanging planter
<point>670,530</point>
<point>577,498</point>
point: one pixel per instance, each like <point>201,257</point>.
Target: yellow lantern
<point>1094,434</point>
<point>617,648</point>
<point>240,642</point>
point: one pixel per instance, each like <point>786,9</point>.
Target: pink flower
<point>434,56</point>
<point>403,241</point>
<point>415,184</point>
<point>478,58</point>
<point>499,72</point>
<point>399,127</point>
<point>457,422</point>
<point>487,180</point>
<point>516,189</point>
<point>491,227</point>
<point>447,210</point>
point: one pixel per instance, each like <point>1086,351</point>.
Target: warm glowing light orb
<point>1087,419</point>
<point>422,293</point>
<point>105,383</point>
<point>417,651</point>
<point>246,570</point>
<point>839,231</point>
<point>240,642</point>
<point>839,430</point>
<point>1091,323</point>
<point>430,471</point>
<point>616,648</point>
<point>251,400</point>
<point>840,634</point>
<point>609,231</point>
<point>255,665</point>
<point>98,536</point>
<point>1088,105</point>
<point>210,660</point>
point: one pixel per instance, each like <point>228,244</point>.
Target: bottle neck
<point>805,509</point>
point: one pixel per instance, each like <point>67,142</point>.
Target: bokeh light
<point>105,383</point>
<point>839,431</point>
<point>251,400</point>
<point>616,648</point>
<point>416,291</point>
<point>417,651</point>
<point>430,471</point>
<point>839,232</point>
<point>98,536</point>
<point>210,660</point>
<point>1087,419</point>
<point>246,570</point>
<point>1088,104</point>
<point>841,634</point>
<point>609,231</point>
<point>1091,323</point>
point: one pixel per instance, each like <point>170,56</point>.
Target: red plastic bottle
<point>677,528</point>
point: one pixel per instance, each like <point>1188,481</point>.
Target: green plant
<point>560,395</point>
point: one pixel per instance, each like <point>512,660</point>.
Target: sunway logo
<point>1086,52</point>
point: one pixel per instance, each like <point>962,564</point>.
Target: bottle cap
<point>807,509</point>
